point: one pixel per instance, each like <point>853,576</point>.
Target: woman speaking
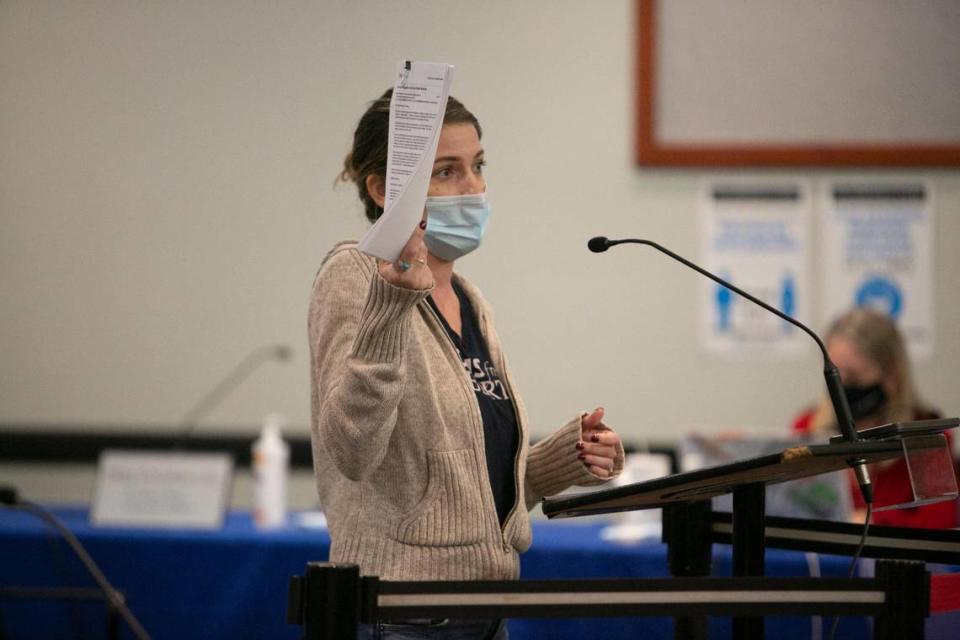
<point>420,438</point>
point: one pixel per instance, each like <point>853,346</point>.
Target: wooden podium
<point>702,484</point>
<point>690,526</point>
<point>331,599</point>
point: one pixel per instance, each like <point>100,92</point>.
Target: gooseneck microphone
<point>9,497</point>
<point>250,363</point>
<point>830,373</point>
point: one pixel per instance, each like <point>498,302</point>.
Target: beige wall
<point>165,197</point>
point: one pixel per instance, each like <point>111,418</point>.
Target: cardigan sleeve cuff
<point>385,321</point>
<point>552,464</point>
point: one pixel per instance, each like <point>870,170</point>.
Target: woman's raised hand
<point>410,271</point>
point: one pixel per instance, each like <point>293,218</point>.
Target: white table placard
<point>162,489</point>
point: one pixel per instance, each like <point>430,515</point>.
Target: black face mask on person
<point>864,401</point>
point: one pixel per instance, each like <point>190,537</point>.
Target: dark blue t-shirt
<point>500,432</point>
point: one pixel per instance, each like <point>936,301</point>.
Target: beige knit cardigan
<point>397,435</point>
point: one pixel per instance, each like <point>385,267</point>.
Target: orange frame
<point>650,151</point>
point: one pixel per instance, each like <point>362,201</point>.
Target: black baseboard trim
<point>83,445</point>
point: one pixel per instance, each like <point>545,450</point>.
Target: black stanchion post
<point>749,509</point>
<point>686,531</point>
<point>295,601</point>
<point>331,601</point>
<point>113,622</point>
<point>369,595</point>
<point>907,587</point>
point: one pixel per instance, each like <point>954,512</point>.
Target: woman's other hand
<point>410,271</point>
<point>598,445</point>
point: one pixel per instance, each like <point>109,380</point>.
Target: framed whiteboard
<point>791,83</point>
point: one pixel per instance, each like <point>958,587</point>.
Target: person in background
<point>420,438</point>
<point>871,356</point>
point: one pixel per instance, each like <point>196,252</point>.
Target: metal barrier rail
<point>842,538</point>
<point>330,600</point>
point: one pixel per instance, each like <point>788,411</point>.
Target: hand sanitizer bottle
<point>271,461</point>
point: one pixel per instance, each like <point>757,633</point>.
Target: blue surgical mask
<point>455,224</point>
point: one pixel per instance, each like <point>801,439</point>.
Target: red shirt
<point>891,485</point>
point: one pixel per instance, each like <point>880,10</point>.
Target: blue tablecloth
<point>232,583</point>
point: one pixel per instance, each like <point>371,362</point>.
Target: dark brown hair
<point>369,154</point>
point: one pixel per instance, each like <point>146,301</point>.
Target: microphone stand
<point>250,363</point>
<point>115,601</point>
<point>838,398</point>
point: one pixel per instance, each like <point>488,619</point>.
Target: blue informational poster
<point>877,242</point>
<point>754,234</point>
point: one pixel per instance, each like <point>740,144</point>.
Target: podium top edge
<point>702,484</point>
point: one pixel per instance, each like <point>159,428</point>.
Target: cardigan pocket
<point>520,535</point>
<point>451,511</point>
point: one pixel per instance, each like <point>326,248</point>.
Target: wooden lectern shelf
<point>702,484</point>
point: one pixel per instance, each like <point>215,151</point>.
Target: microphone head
<point>283,352</point>
<point>598,244</point>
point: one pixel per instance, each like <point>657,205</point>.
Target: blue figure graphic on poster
<point>724,300</point>
<point>788,299</point>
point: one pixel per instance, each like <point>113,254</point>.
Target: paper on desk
<point>416,116</point>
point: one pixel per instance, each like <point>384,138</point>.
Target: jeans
<point>442,629</point>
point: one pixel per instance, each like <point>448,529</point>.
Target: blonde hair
<point>876,336</point>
